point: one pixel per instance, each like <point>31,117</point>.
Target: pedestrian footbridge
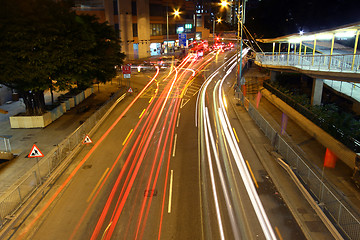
<point>327,56</point>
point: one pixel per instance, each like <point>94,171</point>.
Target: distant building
<point>143,23</point>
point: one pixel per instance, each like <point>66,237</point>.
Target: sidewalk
<point>22,140</point>
<point>305,145</point>
<point>310,149</point>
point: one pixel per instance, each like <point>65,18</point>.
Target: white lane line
<point>170,190</point>
<point>174,145</point>
<point>177,123</point>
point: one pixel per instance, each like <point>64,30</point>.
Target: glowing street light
<point>224,3</point>
<point>218,20</point>
<point>176,13</point>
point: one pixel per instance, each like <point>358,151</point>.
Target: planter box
<point>30,121</point>
<point>71,102</point>
<point>63,105</point>
<point>57,112</point>
<point>88,92</point>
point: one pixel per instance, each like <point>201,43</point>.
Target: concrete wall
<point>143,25</point>
<point>126,29</point>
<point>340,150</point>
<point>5,94</point>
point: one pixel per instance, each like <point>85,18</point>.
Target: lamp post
<point>214,29</point>
<point>240,35</point>
<point>176,13</point>
<point>218,21</point>
<point>167,31</point>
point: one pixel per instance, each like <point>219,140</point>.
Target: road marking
<point>97,185</point>
<point>252,175</point>
<point>106,229</point>
<point>127,137</point>
<point>237,139</point>
<point>177,123</point>
<point>174,145</point>
<point>142,113</point>
<point>183,103</point>
<point>170,190</point>
<point>151,99</point>
<point>278,233</point>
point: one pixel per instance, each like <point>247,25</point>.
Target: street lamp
<point>240,35</point>
<point>218,21</point>
<point>176,13</point>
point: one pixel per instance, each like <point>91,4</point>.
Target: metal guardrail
<point>11,201</point>
<point>319,62</point>
<point>328,201</point>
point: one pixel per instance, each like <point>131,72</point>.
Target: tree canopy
<point>44,44</point>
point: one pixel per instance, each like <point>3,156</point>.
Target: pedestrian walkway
<point>309,149</point>
<point>22,140</point>
<point>306,217</point>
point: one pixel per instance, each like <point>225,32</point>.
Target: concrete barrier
<point>340,150</point>
<point>49,117</point>
<point>30,121</point>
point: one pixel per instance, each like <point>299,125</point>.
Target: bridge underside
<point>337,76</point>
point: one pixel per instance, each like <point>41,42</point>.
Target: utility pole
<point>240,32</point>
<point>214,29</point>
<point>167,30</point>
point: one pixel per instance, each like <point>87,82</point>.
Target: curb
<point>298,218</point>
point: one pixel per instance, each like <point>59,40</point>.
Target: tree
<point>47,45</point>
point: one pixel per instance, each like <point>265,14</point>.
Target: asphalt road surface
<point>170,162</point>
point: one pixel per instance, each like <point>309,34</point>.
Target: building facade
<point>148,27</point>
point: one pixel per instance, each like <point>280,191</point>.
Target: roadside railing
<point>332,205</point>
<point>319,62</point>
<point>11,201</point>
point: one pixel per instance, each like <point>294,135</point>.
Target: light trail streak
<point>240,163</point>
<point>232,142</point>
<point>122,203</point>
<point>76,169</point>
<point>157,173</point>
<point>107,176</point>
<point>212,178</point>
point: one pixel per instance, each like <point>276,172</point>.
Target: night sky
<point>274,18</point>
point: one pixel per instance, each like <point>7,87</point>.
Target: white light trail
<point>224,123</point>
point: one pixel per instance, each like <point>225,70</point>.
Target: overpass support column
<point>273,76</point>
<point>317,90</point>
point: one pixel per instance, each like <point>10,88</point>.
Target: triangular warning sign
<point>130,90</point>
<point>35,152</point>
<point>87,140</point>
